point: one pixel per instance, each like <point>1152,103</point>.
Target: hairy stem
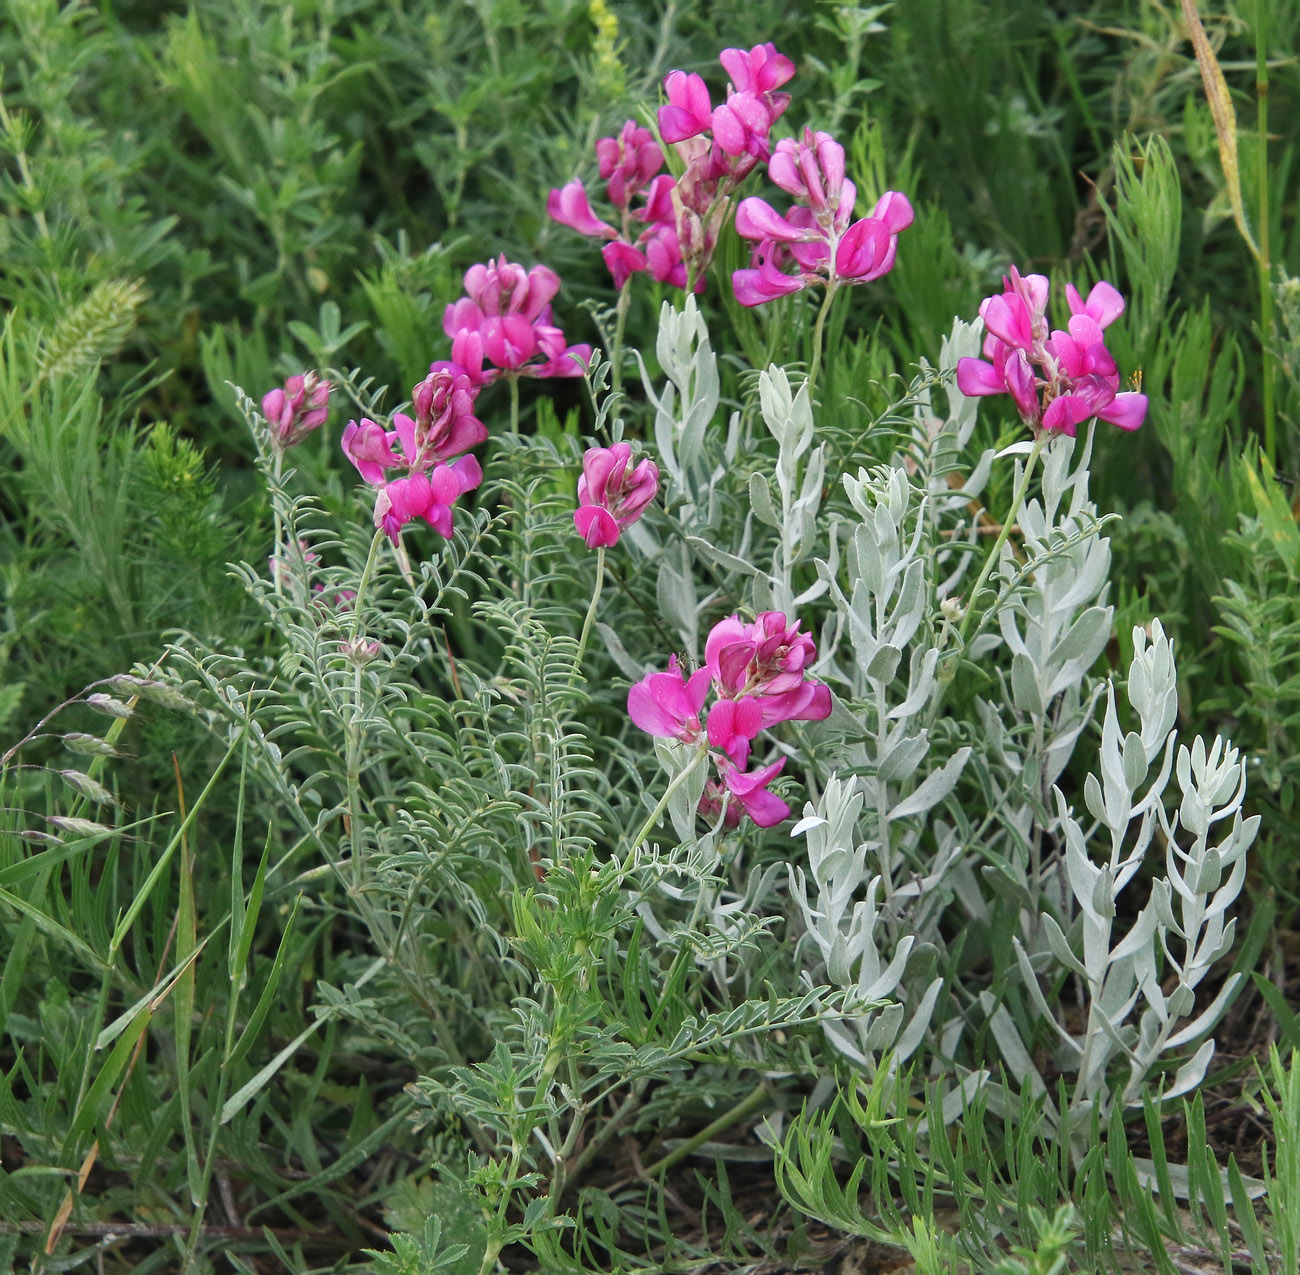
<point>591,614</point>
<point>366,572</point>
<point>620,324</point>
<point>814,365</point>
<point>656,814</point>
<point>746,1106</point>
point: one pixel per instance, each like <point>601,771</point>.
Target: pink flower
<point>758,673</point>
<point>817,237</point>
<point>443,427</point>
<point>628,162</point>
<point>296,410</point>
<point>429,496</point>
<point>612,495</point>
<point>667,705</point>
<point>1056,381</point>
<point>570,206</point>
<point>760,70</point>
<point>732,726</point>
<point>749,790</point>
<point>505,318</point>
<point>445,424</point>
<point>767,660</point>
<point>689,111</point>
<point>718,147</point>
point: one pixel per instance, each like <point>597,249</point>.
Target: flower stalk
<point>1017,499</point>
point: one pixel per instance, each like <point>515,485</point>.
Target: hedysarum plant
<point>818,237</point>
<point>426,447</point>
<point>297,409</point>
<point>612,493</point>
<point>505,320</point>
<point>1057,379</point>
<point>757,674</point>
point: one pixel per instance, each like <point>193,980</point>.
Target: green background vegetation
<point>215,192</point>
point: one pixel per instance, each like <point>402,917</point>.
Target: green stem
<point>591,613</point>
<point>514,404</point>
<point>814,365</point>
<point>277,464</point>
<point>747,1105</point>
<point>620,324</point>
<point>1268,367</point>
<point>1017,499</point>
<point>648,827</point>
<point>365,580</point>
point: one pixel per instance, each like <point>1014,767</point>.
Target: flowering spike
<point>297,409</point>
<point>1060,380</point>
<point>612,494</point>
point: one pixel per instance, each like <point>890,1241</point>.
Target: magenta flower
<point>1057,380</point>
<point>505,319</point>
<point>444,426</point>
<point>717,146</point>
<point>630,251</point>
<point>628,162</point>
<point>570,206</point>
<point>689,111</point>
<point>760,70</point>
<point>296,410</point>
<point>667,705</point>
<point>612,494</point>
<point>767,660</point>
<point>817,237</point>
<point>428,496</point>
<point>425,447</point>
<point>758,673</point>
<point>748,789</point>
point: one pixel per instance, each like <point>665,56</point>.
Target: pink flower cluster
<point>444,427</point>
<point>758,674</point>
<point>612,493</point>
<point>718,148</point>
<point>296,410</point>
<point>1059,379</point>
<point>818,237</point>
<point>505,318</point>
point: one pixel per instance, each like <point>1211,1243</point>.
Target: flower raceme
<point>718,147</point>
<point>1057,379</point>
<point>505,318</point>
<point>612,493</point>
<point>426,447</point>
<point>297,409</point>
<point>758,675</point>
<point>818,237</point>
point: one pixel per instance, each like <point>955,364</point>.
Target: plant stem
<point>1268,368</point>
<point>514,404</point>
<point>750,1103</point>
<point>648,827</point>
<point>1017,499</point>
<point>591,614</point>
<point>277,558</point>
<point>814,365</point>
<point>620,324</point>
<point>365,580</point>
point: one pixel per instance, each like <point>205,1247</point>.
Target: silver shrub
<point>1182,930</point>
